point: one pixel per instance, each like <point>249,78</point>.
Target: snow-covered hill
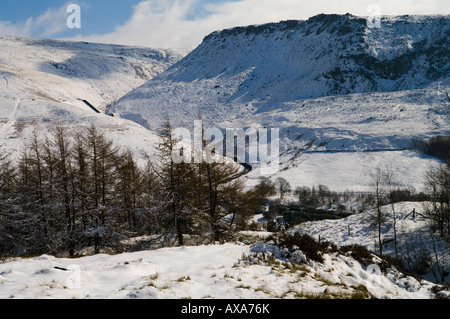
<point>261,66</point>
<point>43,84</point>
<point>68,72</point>
<point>346,97</point>
<point>417,245</point>
<point>211,272</point>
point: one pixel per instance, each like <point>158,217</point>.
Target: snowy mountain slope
<point>325,55</point>
<point>44,82</point>
<point>415,240</point>
<point>341,115</point>
<point>69,71</point>
<point>335,88</point>
<point>212,272</point>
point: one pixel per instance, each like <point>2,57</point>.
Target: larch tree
<point>175,188</point>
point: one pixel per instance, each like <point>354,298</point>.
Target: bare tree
<point>221,191</point>
<point>304,195</point>
<point>323,192</point>
<point>101,158</point>
<point>438,209</point>
<point>175,188</point>
<point>283,187</point>
<point>8,175</point>
<point>378,182</point>
<point>264,189</point>
<point>391,184</point>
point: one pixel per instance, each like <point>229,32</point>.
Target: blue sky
<point>99,16</point>
<point>177,23</point>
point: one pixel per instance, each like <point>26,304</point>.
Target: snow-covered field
<point>237,271</point>
<point>211,272</point>
<point>353,170</point>
<point>414,237</point>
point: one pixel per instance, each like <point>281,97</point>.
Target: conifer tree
<point>221,193</point>
<point>175,188</point>
<point>7,195</point>
<point>101,159</point>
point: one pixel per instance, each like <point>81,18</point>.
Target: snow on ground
<point>213,271</point>
<point>122,276</point>
<point>285,76</point>
<point>43,83</point>
<point>341,171</point>
<point>336,141</point>
<point>414,237</point>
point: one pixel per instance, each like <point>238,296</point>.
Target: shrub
<point>440,291</point>
<point>360,253</point>
<point>294,214</point>
<point>311,248</point>
<point>439,146</point>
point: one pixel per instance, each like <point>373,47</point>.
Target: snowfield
<point>414,237</point>
<point>212,272</point>
<point>43,84</point>
<point>240,271</point>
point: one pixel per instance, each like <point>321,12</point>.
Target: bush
<point>274,226</point>
<point>407,195</point>
<point>294,214</point>
<point>439,146</point>
<point>311,248</point>
<point>360,253</point>
<point>365,257</point>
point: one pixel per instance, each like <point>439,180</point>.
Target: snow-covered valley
<point>348,100</point>
<point>345,102</point>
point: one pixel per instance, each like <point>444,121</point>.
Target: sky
<point>178,23</point>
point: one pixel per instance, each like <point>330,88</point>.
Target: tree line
<point>67,192</point>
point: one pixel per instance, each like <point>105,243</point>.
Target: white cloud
<point>18,29</point>
<point>169,23</point>
<point>48,24</point>
<point>51,22</point>
<point>157,23</point>
<point>165,24</point>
